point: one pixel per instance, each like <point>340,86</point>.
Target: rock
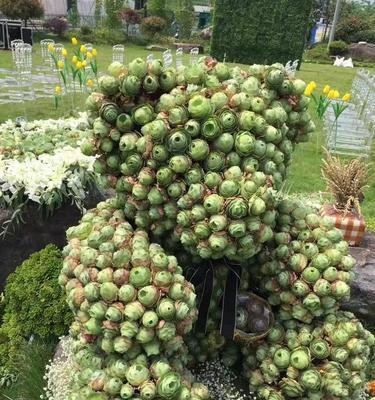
<point>37,232</point>
<point>156,47</point>
<point>363,288</point>
<point>362,51</point>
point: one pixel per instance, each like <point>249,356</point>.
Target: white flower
<point>38,176</point>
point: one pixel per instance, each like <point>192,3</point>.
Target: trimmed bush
<point>34,304</point>
<point>57,25</point>
<point>338,48</point>
<point>260,31</point>
<point>153,25</point>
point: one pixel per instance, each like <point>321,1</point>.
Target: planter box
<point>37,232</point>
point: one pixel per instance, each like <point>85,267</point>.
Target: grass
<point>304,174</point>
<point>31,367</point>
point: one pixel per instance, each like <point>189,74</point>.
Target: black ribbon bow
<point>204,275</point>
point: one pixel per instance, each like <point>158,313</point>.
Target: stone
<point>363,287</point>
<point>36,232</point>
<point>362,51</point>
<point>156,47</point>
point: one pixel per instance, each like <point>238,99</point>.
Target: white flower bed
<point>36,177</point>
<point>41,162</point>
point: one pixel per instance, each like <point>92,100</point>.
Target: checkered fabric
<point>352,225</point>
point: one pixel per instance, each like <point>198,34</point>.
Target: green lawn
<point>304,174</point>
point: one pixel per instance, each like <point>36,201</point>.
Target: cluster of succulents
<point>197,152</point>
<point>196,157</point>
<point>305,270</point>
<point>324,360</point>
<point>132,306</point>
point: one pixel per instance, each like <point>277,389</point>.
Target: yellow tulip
<point>58,90</point>
<point>84,63</point>
<point>346,97</point>
<point>60,64</point>
<point>74,41</point>
<point>51,47</point>
<point>89,55</point>
<point>326,89</point>
<point>94,52</point>
<point>310,89</point>
<point>83,49</point>
<point>74,59</point>
<point>79,65</point>
<point>331,94</point>
<point>90,83</point>
<point>64,52</point>
<point>336,94</point>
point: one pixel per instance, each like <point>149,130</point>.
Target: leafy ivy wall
<point>260,31</point>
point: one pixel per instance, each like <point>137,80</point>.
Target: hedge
<point>34,304</point>
<point>260,31</point>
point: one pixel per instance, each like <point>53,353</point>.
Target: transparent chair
<point>13,45</point>
<point>179,57</point>
<point>194,55</point>
<point>46,56</point>
<point>167,58</point>
<point>118,53</point>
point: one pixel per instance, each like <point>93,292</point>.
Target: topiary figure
<point>196,156</point>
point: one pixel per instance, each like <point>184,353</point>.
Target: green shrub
<point>318,53</point>
<point>34,304</point>
<point>85,30</point>
<point>364,36</point>
<point>349,27</point>
<point>338,48</point>
<point>260,31</point>
<point>152,26</point>
<point>99,36</point>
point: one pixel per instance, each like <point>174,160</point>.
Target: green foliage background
<point>34,305</point>
<point>260,31</point>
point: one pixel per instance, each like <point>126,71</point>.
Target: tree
<point>131,17</point>
<point>157,8</point>
<point>22,9</point>
<point>185,17</point>
<point>98,11</point>
<point>112,9</point>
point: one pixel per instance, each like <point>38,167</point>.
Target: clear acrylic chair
<point>118,53</point>
<point>89,46</point>
<point>167,58</point>
<point>13,45</point>
<point>46,56</point>
<point>194,55</point>
<point>179,57</point>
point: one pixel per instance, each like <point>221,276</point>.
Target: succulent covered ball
<point>323,360</point>
<point>306,270</point>
<point>131,305</point>
<point>197,153</point>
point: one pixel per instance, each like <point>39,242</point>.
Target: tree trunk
<point>327,19</point>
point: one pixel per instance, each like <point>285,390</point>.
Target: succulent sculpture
<point>196,157</point>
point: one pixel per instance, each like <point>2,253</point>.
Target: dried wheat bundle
<point>346,181</point>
